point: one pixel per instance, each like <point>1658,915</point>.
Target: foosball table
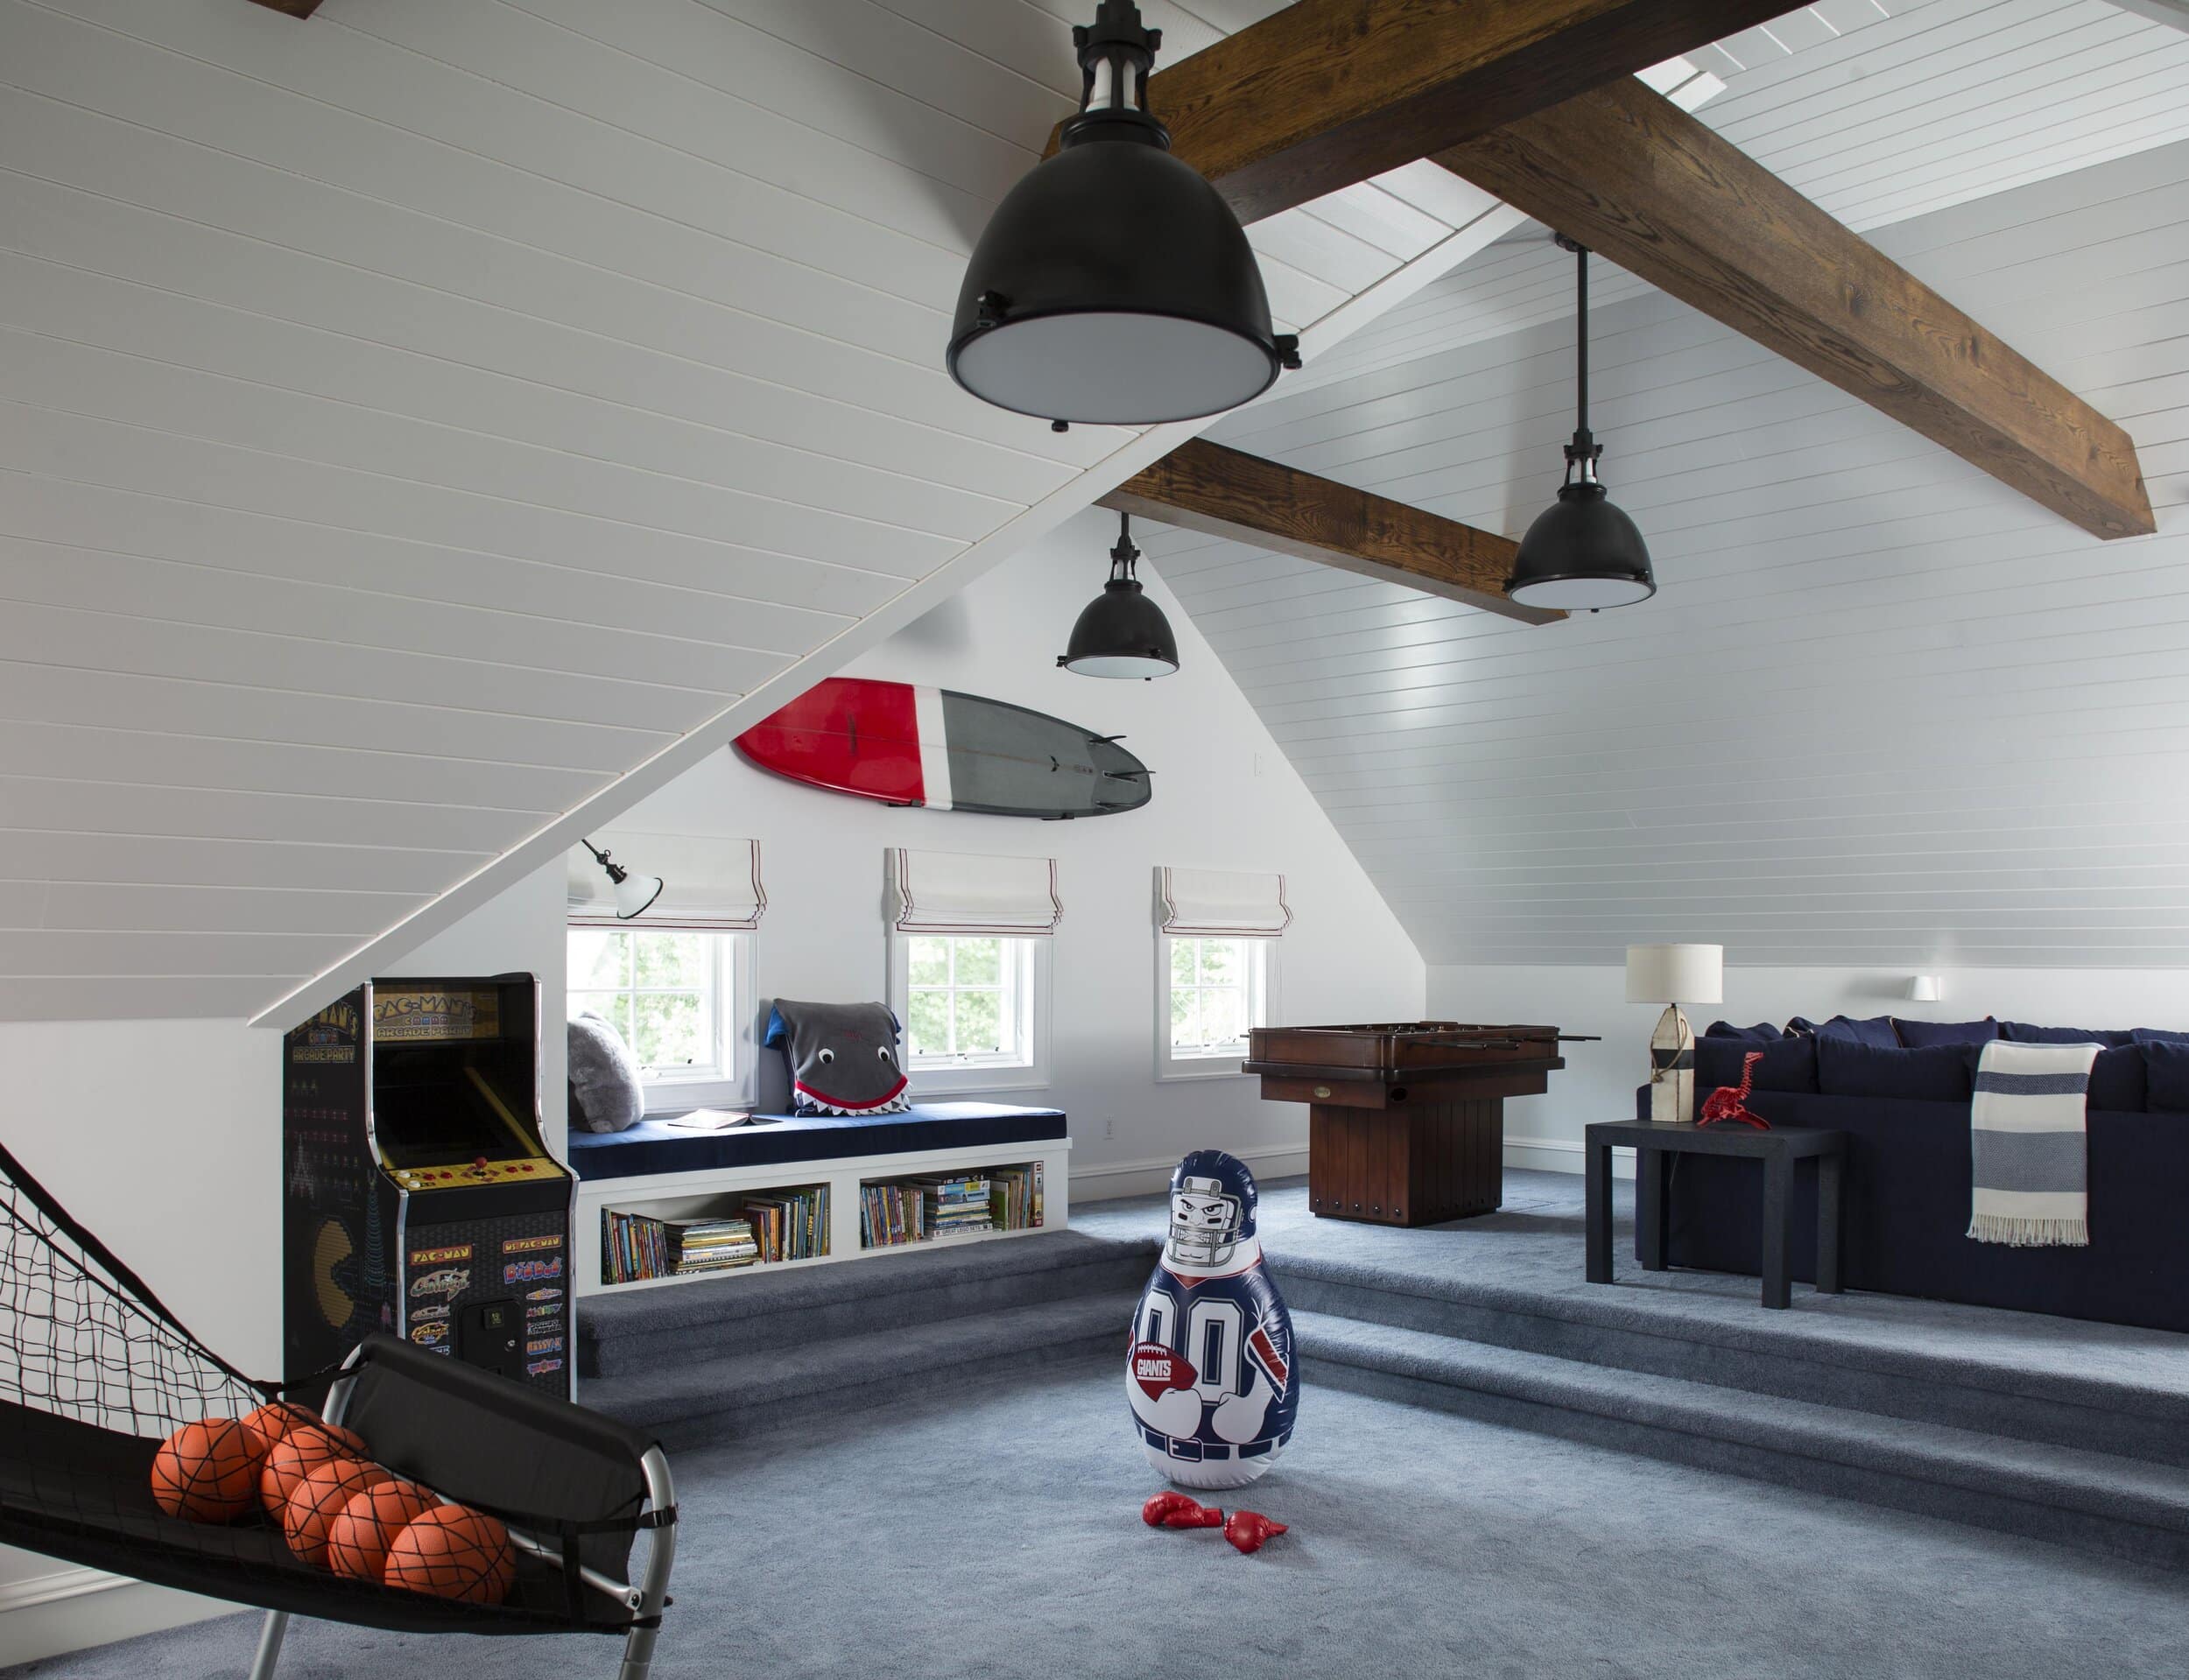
<point>1405,1121</point>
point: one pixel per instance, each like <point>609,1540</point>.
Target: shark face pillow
<point>843,1058</point>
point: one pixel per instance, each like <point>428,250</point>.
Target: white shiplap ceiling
<point>419,422</point>
<point>1882,710</point>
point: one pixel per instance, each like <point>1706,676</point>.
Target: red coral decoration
<point>1730,1102</point>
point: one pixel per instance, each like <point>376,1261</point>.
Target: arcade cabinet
<point>420,1197</point>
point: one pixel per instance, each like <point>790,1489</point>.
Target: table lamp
<point>1674,974</point>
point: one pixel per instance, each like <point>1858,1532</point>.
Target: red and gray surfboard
<point>907,745</point>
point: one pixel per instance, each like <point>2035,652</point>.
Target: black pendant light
<point>1122,633</point>
<point>1581,553</point>
<point>1114,284</point>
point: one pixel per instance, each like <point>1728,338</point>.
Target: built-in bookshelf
<point>944,1206</point>
<point>664,1230</point>
<point>659,1242</point>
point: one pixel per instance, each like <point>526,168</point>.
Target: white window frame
<point>967,1076</point>
<point>1261,1010</point>
<point>671,1091</point>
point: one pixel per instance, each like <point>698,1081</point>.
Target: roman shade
<point>966,892</point>
<point>709,883</point>
<point>1202,902</point>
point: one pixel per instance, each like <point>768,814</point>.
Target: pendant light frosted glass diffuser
<point>1581,553</point>
<point>1113,285</point>
<point>1122,633</point>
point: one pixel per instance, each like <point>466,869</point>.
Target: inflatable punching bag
<point>1210,1373</point>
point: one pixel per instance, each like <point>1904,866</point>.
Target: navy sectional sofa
<point>1904,1108</point>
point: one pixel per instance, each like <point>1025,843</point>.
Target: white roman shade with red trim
<point>709,883</point>
<point>1202,902</point>
<point>966,892</point>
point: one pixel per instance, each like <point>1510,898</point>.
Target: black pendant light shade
<point>1122,633</point>
<point>1113,285</point>
<point>1581,553</point>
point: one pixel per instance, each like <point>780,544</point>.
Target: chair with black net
<point>96,1374</point>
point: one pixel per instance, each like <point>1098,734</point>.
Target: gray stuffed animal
<point>843,1057</point>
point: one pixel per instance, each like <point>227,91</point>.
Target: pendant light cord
<point>1580,292</point>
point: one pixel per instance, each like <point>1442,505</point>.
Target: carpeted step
<point>2096,1501</point>
<point>700,1400</point>
<point>638,1331</point>
<point>1662,1331</point>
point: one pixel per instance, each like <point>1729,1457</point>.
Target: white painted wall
<point>1225,797</point>
<point>1599,1080</point>
<point>163,1137</point>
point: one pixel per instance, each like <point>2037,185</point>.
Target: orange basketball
<point>303,1448</point>
<point>318,1499</point>
<point>208,1471</point>
<point>270,1422</point>
<point>358,1538</point>
<point>453,1552</point>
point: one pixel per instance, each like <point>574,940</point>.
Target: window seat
<point>654,1146</point>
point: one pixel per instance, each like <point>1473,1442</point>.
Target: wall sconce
<point>1925,989</point>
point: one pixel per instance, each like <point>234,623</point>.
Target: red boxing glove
<point>1190,1515</point>
<point>1247,1529</point>
<point>1160,1506</point>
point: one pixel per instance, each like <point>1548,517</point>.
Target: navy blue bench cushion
<point>655,1146</point>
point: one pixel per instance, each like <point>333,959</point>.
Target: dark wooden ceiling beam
<point>1628,173</point>
<point>1202,486</point>
<point>1326,93</point>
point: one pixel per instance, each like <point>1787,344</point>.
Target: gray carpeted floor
<point>1000,1537</point>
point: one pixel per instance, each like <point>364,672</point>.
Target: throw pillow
<point>1917,1035</point>
<point>843,1058</point>
<point>1788,1064</point>
<point>1846,1067</point>
<point>2158,1036</point>
<point>2117,1080</point>
<point>2168,1065</point>
<point>1762,1032</point>
<point>1876,1032</point>
<point>2021,1033</point>
<point>603,1077</point>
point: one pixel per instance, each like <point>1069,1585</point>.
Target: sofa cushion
<point>1916,1035</point>
<point>2021,1033</point>
<point>2158,1036</point>
<point>1788,1064</point>
<point>1761,1033</point>
<point>1876,1032</point>
<point>2117,1080</point>
<point>2168,1067</point>
<point>1936,1074</point>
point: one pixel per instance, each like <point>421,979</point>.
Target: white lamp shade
<point>634,893</point>
<point>1925,989</point>
<point>1675,973</point>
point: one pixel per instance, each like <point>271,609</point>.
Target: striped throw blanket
<point>2027,1145</point>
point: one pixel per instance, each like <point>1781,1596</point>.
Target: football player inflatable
<point>1210,1372</point>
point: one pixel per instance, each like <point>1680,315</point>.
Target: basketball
<point>270,1422</point>
<point>319,1498</point>
<point>207,1471</point>
<point>303,1448</point>
<point>358,1538</point>
<point>453,1552</point>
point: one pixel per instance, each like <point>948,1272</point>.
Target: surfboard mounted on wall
<point>905,745</point>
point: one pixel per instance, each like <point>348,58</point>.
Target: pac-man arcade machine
<point>419,1195</point>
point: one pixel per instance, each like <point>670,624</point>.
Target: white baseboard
<point>1149,1178</point>
<point>73,1609</point>
<point>1560,1155</point>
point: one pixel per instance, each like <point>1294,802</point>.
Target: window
<point>972,1009</point>
<point>1210,990</point>
<point>675,996</point>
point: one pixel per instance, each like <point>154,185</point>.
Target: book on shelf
<point>954,1204</point>
<point>1015,1197</point>
<point>890,1216</point>
<point>791,1224</point>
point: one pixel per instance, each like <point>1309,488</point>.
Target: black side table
<point>1656,1145</point>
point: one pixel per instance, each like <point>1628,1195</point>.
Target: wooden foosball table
<point>1405,1121</point>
